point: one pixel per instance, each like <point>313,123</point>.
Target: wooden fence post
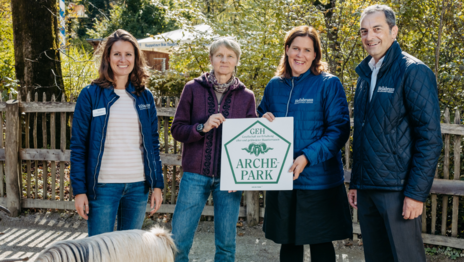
<point>457,176</point>
<point>13,192</point>
<point>252,207</point>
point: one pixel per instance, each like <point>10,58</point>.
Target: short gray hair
<point>229,43</point>
<point>389,14</point>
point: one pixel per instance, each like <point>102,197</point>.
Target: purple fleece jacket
<point>201,154</point>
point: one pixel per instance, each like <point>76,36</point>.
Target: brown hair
<point>284,70</point>
<point>139,74</point>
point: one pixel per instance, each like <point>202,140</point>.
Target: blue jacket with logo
<point>90,123</point>
<point>321,124</point>
<point>397,137</point>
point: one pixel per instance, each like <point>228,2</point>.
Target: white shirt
<point>375,71</point>
<point>122,160</point>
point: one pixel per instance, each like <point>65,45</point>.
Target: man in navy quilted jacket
<point>396,142</point>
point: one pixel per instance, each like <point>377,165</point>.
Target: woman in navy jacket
<point>115,157</point>
<point>316,212</point>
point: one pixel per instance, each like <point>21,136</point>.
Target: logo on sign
<point>257,149</point>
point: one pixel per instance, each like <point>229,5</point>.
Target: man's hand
<point>214,121</point>
<point>82,205</point>
<point>157,197</point>
<point>353,198</point>
<point>298,165</point>
<point>269,116</point>
<point>412,208</point>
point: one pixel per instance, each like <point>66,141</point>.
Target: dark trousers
<point>387,236</point>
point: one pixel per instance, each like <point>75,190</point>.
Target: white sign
<point>257,154</point>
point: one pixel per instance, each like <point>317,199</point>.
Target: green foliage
<point>8,83</point>
<point>139,17</point>
<point>447,251</point>
<point>79,69</point>
<point>169,83</point>
<point>260,27</point>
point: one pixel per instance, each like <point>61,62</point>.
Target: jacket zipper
<point>214,169</point>
<point>362,128</point>
<point>289,98</point>
<point>143,138</point>
<point>101,145</point>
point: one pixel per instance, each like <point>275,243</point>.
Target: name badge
<point>99,112</point>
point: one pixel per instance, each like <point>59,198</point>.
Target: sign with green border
<point>256,154</point>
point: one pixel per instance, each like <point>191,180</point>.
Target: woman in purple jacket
<point>206,102</point>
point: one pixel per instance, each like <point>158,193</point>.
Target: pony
<point>155,245</point>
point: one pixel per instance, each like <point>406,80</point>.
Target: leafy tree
<point>139,17</point>
<point>7,71</point>
<point>37,56</point>
<point>430,30</point>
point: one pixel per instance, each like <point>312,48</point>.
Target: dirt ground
<point>28,235</point>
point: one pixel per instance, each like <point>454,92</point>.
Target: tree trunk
<point>35,30</point>
<point>334,60</point>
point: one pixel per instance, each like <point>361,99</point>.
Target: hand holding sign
<point>269,116</point>
<point>214,121</point>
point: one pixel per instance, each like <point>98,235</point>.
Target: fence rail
<point>36,158</point>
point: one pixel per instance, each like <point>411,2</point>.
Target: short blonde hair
<point>229,43</point>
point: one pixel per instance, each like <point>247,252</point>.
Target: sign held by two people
<point>257,154</point>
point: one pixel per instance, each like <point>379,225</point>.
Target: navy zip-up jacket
<point>89,134</point>
<point>321,124</point>
<point>397,137</point>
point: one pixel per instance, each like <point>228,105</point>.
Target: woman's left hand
<point>157,197</point>
<point>298,165</point>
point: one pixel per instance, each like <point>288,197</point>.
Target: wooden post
<point>457,174</point>
<point>53,146</point>
<point>44,146</point>
<point>63,148</point>
<point>174,168</point>
<point>252,207</point>
<point>11,156</point>
<point>434,209</point>
<point>444,212</point>
<point>36,163</point>
<point>2,193</point>
<point>28,145</point>
<point>166,150</point>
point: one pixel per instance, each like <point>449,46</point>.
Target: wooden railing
<point>36,145</point>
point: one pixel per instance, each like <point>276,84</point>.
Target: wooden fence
<point>37,169</point>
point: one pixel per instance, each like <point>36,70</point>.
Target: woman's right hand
<point>214,121</point>
<point>82,205</point>
<point>269,116</point>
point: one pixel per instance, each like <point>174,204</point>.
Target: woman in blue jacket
<point>316,212</point>
<point>115,157</point>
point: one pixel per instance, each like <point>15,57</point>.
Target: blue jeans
<point>126,201</point>
<point>193,193</point>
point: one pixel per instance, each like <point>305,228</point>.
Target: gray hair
<point>229,43</point>
<point>389,14</point>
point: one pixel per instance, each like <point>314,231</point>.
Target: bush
<point>168,83</point>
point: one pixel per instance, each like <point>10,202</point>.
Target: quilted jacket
<point>397,138</point>
<point>89,133</point>
<point>321,124</point>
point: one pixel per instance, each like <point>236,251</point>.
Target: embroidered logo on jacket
<point>144,107</point>
<point>304,101</point>
<point>384,89</point>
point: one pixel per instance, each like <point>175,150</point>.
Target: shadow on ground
<point>28,235</point>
